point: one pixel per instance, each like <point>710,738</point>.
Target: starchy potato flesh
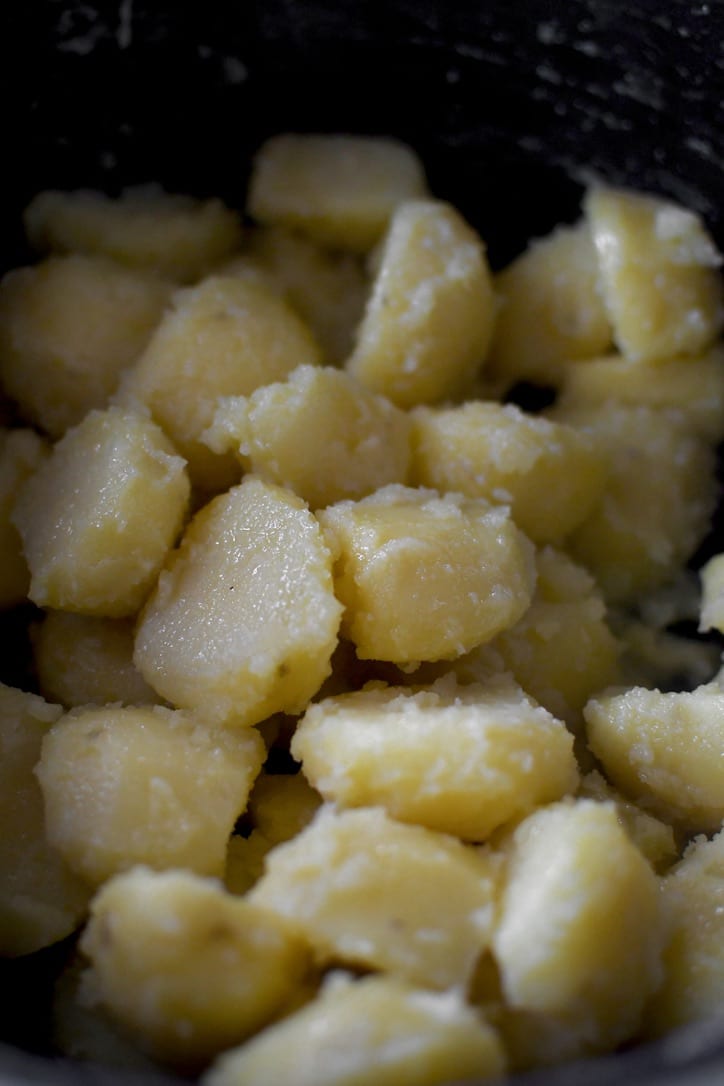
<point>550,474</point>
<point>461,760</point>
<point>319,433</point>
<point>84,660</point>
<point>340,191</point>
<point>155,786</point>
<point>144,227</point>
<point>99,516</point>
<point>659,275</point>
<point>664,751</point>
<point>551,311</point>
<point>424,576</point>
<point>69,328</point>
<point>21,453</point>
<point>282,804</point>
<point>41,900</point>
<point>580,930</point>
<point>243,620</point>
<point>712,587</point>
<point>377,1031</point>
<point>224,337</point>
<point>345,882</point>
<point>429,318</point>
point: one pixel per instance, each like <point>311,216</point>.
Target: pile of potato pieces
<point>271,491</point>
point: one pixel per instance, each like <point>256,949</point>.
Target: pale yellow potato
<point>656,508</point>
<point>41,900</point>
<point>551,311</point>
<point>429,318</point>
<point>282,804</point>
<point>370,891</point>
<point>245,857</point>
<point>99,516</point>
<point>69,328</point>
<point>712,594</point>
<point>377,1031</point>
<point>463,760</point>
<point>225,337</point>
<point>663,750</point>
<point>243,621</point>
<point>319,433</point>
<point>550,474</point>
<point>693,983</point>
<point>340,191</point>
<point>84,660</point>
<point>185,967</point>
<point>425,577</point>
<point>21,453</point>
<point>580,929</point>
<point>691,389</point>
<point>145,227</point>
<point>654,839</point>
<point>659,274</point>
<point>144,785</point>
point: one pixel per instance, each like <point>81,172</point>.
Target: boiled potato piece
<point>243,621</point>
<point>245,857</point>
<point>550,474</point>
<point>693,984</point>
<point>657,504</point>
<point>144,785</point>
<point>659,277</point>
<point>712,588</point>
<point>340,191</point>
<point>551,311</point>
<point>459,759</point>
<point>320,433</point>
<point>425,577</point>
<point>654,839</point>
<point>99,516</point>
<point>580,931</point>
<point>84,660</point>
<point>21,453</point>
<point>145,227</point>
<point>429,318</point>
<point>691,389</point>
<point>41,900</point>
<point>664,751</point>
<point>374,892</point>
<point>185,967</point>
<point>377,1031</point>
<point>224,337</point>
<point>282,804</point>
<point>69,327</point>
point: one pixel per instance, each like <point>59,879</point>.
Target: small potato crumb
<point>154,786</point>
<point>377,1031</point>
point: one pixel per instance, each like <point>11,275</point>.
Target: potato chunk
<point>377,1031</point>
<point>429,319</point>
<point>347,879</point>
<point>320,433</point>
<point>459,759</point>
<point>580,932</point>
<point>185,967</point>
<point>225,337</point>
<point>21,453</point>
<point>69,327</point>
<point>425,577</point>
<point>99,516</point>
<point>144,785</point>
<point>664,751</point>
<point>659,275</point>
<point>712,591</point>
<point>144,227</point>
<point>84,660</point>
<point>550,474</point>
<point>282,804</point>
<point>338,190</point>
<point>693,984</point>
<point>551,311</point>
<point>41,901</point>
<point>243,621</point>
